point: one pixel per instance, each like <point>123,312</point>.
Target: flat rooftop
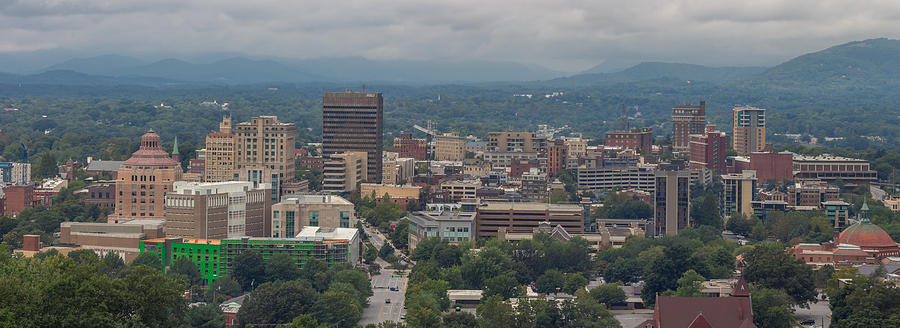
<point>315,199</point>
<point>328,233</point>
<point>530,206</point>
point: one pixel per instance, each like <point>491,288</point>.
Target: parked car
<point>808,322</point>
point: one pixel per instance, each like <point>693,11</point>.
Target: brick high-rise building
<point>557,156</point>
<point>408,147</point>
<point>687,119</point>
<point>709,150</point>
<point>264,149</point>
<point>749,130</point>
<point>353,122</point>
<point>219,154</point>
<point>144,180</point>
<point>637,139</point>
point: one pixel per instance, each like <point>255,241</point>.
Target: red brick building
<point>638,139</point>
<point>518,166</point>
<point>557,154</point>
<point>772,166</point>
<point>408,147</point>
<point>687,120</point>
<point>708,150</point>
<point>197,166</point>
<point>18,198</point>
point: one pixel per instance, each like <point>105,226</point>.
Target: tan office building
<point>219,154</point>
<point>292,214</point>
<point>264,152</point>
<point>449,147</point>
<point>352,122</point>
<point>749,130</point>
<point>344,171</point>
<point>218,210</point>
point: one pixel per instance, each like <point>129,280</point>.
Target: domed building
<point>869,237</point>
<point>143,181</point>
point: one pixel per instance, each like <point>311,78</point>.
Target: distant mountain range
<point>239,70</point>
<point>869,64</point>
<point>656,70</point>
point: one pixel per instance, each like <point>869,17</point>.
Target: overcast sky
<point>561,34</point>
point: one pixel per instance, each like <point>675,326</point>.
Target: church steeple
<point>175,154</point>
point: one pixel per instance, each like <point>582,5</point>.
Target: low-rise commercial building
<point>100,193</point>
<point>490,217</point>
<point>833,168</point>
<point>459,190</point>
<point>400,195</point>
<point>102,238</point>
<point>294,213</point>
<point>452,227</point>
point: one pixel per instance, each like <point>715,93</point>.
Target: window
<point>345,219</point>
<point>314,218</point>
<point>289,223</point>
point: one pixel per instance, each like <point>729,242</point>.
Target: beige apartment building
<point>292,214</point>
<point>343,171</point>
<point>515,142</point>
<point>449,147</point>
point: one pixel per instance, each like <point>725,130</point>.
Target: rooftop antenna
<point>363,88</point>
<point>624,118</point>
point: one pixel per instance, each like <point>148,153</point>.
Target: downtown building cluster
<point>241,191</point>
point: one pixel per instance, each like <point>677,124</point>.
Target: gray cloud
<point>564,34</point>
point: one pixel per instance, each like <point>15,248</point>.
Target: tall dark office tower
<point>352,121</point>
<point>687,119</point>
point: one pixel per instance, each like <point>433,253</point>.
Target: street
<point>379,310</point>
<point>820,312</point>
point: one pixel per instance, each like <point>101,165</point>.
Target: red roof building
<point>869,237</point>
<point>704,312</point>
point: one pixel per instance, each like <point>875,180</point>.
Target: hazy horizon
<point>567,36</point>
